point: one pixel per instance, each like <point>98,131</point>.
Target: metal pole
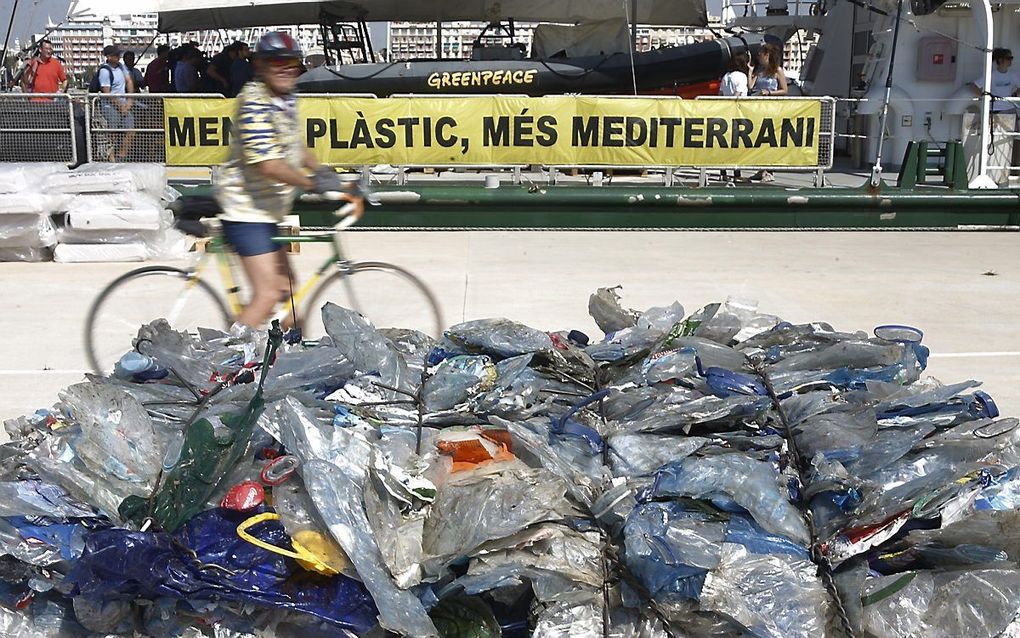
<point>7,39</point>
<point>983,14</point>
<point>631,15</point>
<point>633,24</point>
<point>876,171</point>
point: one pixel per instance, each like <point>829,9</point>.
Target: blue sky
<point>31,17</point>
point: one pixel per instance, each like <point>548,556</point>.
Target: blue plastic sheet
<point>204,561</point>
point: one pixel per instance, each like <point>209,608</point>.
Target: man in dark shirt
<point>219,67</point>
<point>157,74</point>
<point>136,76</point>
<point>241,70</point>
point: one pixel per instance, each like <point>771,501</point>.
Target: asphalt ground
<point>961,289</point>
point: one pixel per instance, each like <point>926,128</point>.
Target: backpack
<point>94,86</point>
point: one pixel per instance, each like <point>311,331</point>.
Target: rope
<point>817,557</point>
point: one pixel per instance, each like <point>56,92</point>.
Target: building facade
<point>79,43</point>
<point>413,40</point>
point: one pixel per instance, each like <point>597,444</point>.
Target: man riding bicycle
<point>268,159</point>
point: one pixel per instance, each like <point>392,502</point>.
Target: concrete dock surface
<point>962,289</point>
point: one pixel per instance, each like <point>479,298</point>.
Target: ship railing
<point>38,127</point>
<point>1005,127</point>
<point>732,9</point>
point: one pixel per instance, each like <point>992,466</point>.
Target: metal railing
<point>39,127</point>
<point>759,8</point>
<point>1003,149</point>
<point>130,128</point>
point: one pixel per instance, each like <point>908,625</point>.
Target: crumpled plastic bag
<point>499,337</point>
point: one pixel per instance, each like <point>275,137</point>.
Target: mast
<point>7,38</point>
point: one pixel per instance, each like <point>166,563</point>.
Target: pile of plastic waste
<point>724,473</point>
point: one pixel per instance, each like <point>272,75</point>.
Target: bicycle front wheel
<point>387,295</point>
<point>142,296</point>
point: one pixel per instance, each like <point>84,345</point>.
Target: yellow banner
<point>560,130</point>
<point>196,131</point>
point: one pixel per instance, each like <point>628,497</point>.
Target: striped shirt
<point>265,128</point>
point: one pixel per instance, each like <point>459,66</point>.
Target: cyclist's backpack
<point>94,86</point>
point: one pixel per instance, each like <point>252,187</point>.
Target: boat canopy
<point>192,15</point>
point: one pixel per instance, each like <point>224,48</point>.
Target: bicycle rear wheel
<point>387,295</point>
<point>144,295</point>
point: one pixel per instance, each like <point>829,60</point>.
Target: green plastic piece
<point>465,617</point>
<point>205,460</point>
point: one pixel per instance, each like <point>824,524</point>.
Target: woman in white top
<point>734,84</point>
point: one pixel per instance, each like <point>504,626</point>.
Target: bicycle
<point>386,294</point>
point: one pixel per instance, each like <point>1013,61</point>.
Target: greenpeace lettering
<point>497,77</point>
<point>561,130</point>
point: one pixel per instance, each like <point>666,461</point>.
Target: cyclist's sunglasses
<point>284,63</point>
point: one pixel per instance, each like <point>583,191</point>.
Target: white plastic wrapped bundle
<point>74,253</point>
<point>22,203</point>
<point>121,245</point>
<point>16,177</point>
<point>110,178</point>
<point>27,231</point>
<point>121,211</point>
<point>26,254</point>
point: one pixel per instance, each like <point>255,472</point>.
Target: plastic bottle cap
<point>279,469</point>
<point>244,497</point>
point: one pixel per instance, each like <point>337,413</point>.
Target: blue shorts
<point>251,238</point>
<point>115,119</point>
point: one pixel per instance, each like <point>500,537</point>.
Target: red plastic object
<point>244,497</point>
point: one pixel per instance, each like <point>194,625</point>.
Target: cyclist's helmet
<point>277,44</point>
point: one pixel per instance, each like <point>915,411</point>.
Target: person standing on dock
<point>240,70</point>
<point>115,79</point>
<point>768,80</point>
<point>157,73</point>
<point>1005,82</point>
<point>735,84</point>
<point>218,69</point>
<point>137,79</point>
<point>44,73</point>
<point>1005,85</point>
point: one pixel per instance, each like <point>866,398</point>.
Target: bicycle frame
<point>225,263</point>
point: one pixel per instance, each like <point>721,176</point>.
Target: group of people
<point>184,69</point>
<point>189,71</point>
<point>767,78</point>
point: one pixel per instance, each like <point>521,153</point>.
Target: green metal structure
<point>916,202</point>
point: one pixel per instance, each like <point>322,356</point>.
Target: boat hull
<point>653,71</point>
